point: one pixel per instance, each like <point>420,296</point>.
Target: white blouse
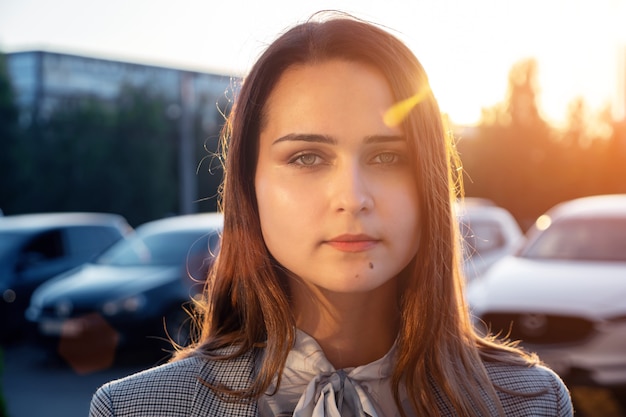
<point>312,387</point>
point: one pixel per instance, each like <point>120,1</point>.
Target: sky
<point>466,46</point>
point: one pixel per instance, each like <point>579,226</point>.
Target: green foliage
<point>92,155</point>
<point>8,110</point>
<point>9,136</point>
<point>209,169</point>
<point>209,172</point>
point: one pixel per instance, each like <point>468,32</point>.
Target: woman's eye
<point>307,159</point>
<point>386,158</point>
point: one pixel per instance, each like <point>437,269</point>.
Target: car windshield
<point>481,237</point>
<point>170,248</point>
<point>599,239</point>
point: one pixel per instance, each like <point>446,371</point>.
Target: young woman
<point>337,288</point>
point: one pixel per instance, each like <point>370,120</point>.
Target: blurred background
<point>115,106</point>
<point>128,97</point>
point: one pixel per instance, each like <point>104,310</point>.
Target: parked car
<point>489,233</point>
<point>564,294</point>
<point>134,293</point>
<point>36,247</point>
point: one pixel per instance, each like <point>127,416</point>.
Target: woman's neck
<point>353,329</point>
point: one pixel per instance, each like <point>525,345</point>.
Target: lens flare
<point>399,111</point>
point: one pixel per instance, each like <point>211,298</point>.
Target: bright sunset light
<point>466,47</point>
<point>578,46</point>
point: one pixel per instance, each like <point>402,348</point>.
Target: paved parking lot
<point>35,386</point>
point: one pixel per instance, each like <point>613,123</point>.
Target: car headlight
<point>130,304</point>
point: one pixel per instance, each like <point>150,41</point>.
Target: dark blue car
<point>135,293</point>
<point>37,247</point>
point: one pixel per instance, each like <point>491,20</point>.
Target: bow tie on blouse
<point>334,395</point>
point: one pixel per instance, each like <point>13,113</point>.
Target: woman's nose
<point>351,191</point>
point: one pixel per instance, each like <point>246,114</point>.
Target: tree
<point>613,160</point>
<point>520,162</point>
<point>209,168</point>
<point>511,158</point>
<point>9,137</point>
<point>146,150</point>
<point>94,155</point>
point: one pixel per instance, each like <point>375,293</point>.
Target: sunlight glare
<point>399,111</point>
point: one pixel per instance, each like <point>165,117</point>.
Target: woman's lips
<point>352,243</point>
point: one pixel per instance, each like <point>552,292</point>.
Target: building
<point>44,80</point>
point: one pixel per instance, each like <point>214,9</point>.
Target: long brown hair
<point>246,303</point>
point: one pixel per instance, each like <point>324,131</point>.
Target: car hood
<point>592,289</point>
<point>93,282</point>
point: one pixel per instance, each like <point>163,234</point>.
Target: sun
<point>579,48</point>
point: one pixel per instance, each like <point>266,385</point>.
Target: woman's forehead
<point>334,95</point>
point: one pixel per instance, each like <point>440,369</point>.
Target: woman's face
<point>337,198</point>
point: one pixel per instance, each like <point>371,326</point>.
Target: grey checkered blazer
<point>175,390</point>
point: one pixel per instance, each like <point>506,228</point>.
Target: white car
<point>564,294</point>
<point>489,233</point>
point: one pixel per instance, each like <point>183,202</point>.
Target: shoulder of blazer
<point>236,373</point>
<point>532,390</point>
<point>178,389</point>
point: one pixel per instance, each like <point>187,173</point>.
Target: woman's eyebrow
<point>309,137</point>
<point>306,137</point>
<point>384,138</point>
